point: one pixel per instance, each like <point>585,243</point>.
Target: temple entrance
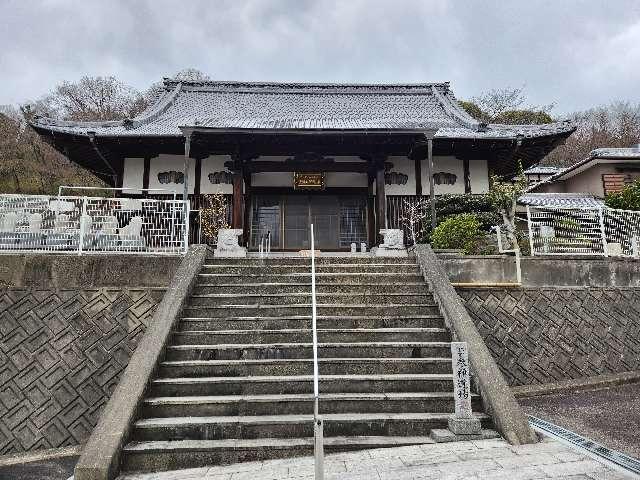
<point>339,220</point>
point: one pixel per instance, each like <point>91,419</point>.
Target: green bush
<point>450,205</point>
<point>458,232</point>
<point>627,199</point>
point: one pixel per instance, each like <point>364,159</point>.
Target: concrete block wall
<point>545,334</point>
<point>68,326</point>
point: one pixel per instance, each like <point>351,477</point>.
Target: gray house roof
<point>244,106</point>
<point>560,200</point>
<point>599,155</point>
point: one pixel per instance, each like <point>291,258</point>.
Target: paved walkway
<point>474,460</point>
<point>608,416</point>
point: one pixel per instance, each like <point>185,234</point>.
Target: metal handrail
<point>318,444</point>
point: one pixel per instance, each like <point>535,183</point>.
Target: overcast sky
<point>577,54</point>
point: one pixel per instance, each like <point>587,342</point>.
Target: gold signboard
<point>308,181</point>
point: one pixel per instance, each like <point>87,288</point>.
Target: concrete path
<point>474,460</point>
<point>609,416</point>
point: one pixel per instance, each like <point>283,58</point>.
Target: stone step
<point>323,309</point>
<point>305,350</point>
<point>179,454</point>
<point>289,260</point>
<point>342,278</point>
<point>305,287</point>
<point>334,335</point>
<point>304,322</point>
<point>303,366</point>
<point>343,298</point>
<point>287,426</point>
<point>306,269</point>
<point>292,384</point>
<point>300,404</point>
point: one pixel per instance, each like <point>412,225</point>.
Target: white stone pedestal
<point>227,245</point>
<point>393,244</point>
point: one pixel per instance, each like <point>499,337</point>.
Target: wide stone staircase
<point>236,383</point>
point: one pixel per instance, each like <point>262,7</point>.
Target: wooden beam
<point>467,176</point>
<point>310,166</point>
<point>381,203</point>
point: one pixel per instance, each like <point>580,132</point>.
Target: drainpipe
<point>92,140</point>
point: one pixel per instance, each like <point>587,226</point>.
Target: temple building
<point>340,156</point>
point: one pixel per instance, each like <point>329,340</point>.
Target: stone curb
<point>582,384</point>
<point>49,454</point>
<point>497,397</point>
<point>100,459</point>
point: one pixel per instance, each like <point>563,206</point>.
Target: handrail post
<point>318,447</point>
<point>81,232</point>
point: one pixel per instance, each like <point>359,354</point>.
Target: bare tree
<point>507,105</point>
<point>615,125</point>
<point>93,98</point>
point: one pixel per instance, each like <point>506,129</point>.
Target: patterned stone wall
<point>61,354</point>
<point>541,335</point>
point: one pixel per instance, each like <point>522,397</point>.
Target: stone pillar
<point>462,421</point>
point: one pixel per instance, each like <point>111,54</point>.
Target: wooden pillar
<point>381,202</point>
<point>187,155</point>
<point>467,175</point>
<point>198,176</point>
<point>432,195</point>
<point>236,210</point>
<point>247,206</point>
<point>418,174</point>
<point>371,218</point>
<point>146,169</point>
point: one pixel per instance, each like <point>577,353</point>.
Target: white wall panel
<point>132,174</point>
<point>211,165</point>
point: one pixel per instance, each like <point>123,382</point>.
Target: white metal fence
<point>42,223</point>
<point>583,231</point>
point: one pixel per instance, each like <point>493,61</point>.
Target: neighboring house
<point>539,173</point>
<point>604,171</point>
<point>338,155</point>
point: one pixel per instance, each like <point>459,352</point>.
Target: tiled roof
<point>541,170</point>
<point>296,106</point>
<point>632,152</point>
<point>560,200</point>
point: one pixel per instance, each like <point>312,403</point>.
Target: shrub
<point>458,232</point>
<point>627,199</point>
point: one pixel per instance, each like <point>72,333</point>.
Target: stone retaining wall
<point>540,335</point>
<point>68,326</point>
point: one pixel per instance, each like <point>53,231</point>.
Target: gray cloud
<point>575,53</point>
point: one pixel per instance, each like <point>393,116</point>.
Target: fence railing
<point>42,223</point>
<point>583,231</point>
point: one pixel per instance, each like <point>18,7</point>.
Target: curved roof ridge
<point>158,108</point>
<point>149,114</point>
<point>454,110</point>
<point>301,86</point>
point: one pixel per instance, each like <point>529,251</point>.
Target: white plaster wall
<point>212,164</point>
<point>408,167</point>
<point>166,163</point>
<point>132,174</point>
<point>479,176</point>
<point>272,179</point>
<point>448,164</point>
<point>345,179</point>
